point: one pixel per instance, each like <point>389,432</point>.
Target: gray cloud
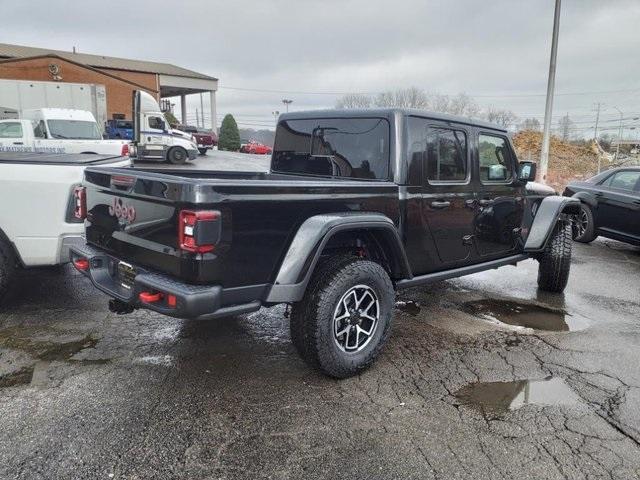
<point>483,48</point>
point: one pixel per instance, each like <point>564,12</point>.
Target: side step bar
<point>460,272</point>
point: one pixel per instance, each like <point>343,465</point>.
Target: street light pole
<point>544,157</point>
<point>619,134</point>
<point>287,102</point>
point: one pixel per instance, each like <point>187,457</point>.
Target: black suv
<point>357,205</point>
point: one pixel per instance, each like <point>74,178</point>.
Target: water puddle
<point>526,315</point>
<point>408,306</point>
<point>501,397</point>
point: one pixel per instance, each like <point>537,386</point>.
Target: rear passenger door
<point>440,159</point>
<point>499,195</point>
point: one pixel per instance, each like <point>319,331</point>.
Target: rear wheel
<point>582,225</point>
<point>555,260</point>
<point>177,155</point>
<point>202,151</point>
<point>344,320</point>
<point>8,266</point>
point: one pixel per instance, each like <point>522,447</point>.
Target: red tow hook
<point>148,297</point>
<point>81,264</point>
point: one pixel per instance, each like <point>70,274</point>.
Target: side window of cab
<point>156,123</point>
<point>496,159</point>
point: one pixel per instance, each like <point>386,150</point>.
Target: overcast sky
<point>496,51</point>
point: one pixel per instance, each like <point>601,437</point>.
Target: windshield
<point>125,124</point>
<point>74,129</point>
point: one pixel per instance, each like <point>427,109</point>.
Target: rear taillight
<point>198,231</point>
<point>80,203</point>
<point>125,150</point>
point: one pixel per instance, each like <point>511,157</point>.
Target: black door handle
<point>438,204</point>
<point>485,202</point>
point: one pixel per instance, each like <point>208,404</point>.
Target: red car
<point>255,147</point>
<point>206,139</point>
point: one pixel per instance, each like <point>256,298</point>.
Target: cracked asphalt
<point>483,377</point>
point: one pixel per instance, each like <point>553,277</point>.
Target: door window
<point>496,162</point>
<point>156,123</point>
<point>11,130</point>
<point>446,156</point>
<point>39,129</point>
<point>625,180</point>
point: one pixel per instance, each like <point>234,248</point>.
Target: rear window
<point>333,147</point>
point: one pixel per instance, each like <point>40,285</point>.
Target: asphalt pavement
<point>483,377</point>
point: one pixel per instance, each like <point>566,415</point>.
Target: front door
<point>619,203</point>
<point>441,152</point>
<point>500,197</point>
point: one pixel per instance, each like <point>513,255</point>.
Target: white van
<point>65,130</point>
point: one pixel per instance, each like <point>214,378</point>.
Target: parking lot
<point>483,377</point>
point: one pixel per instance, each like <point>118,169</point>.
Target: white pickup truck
<point>57,130</point>
<point>38,212</point>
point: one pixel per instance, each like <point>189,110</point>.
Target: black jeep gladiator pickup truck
<point>357,205</point>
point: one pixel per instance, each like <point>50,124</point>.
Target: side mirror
<point>527,171</point>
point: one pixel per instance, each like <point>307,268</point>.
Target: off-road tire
<point>203,151</point>
<point>177,155</point>
<point>589,233</point>
<point>555,260</point>
<point>8,267</point>
<point>312,318</point>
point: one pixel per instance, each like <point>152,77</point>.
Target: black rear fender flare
<point>313,235</point>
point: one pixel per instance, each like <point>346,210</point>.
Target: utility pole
<point>287,102</point>
<point>619,134</point>
<point>201,111</point>
<point>546,135</point>
<point>197,119</point>
<point>595,130</point>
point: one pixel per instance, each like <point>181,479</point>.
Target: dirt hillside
<point>567,162</point>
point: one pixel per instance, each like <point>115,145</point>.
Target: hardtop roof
<point>388,113</point>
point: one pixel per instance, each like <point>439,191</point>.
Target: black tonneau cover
<point>57,158</point>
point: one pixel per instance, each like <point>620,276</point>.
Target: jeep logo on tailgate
<point>122,211</point>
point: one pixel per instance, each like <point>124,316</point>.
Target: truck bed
<point>260,213</point>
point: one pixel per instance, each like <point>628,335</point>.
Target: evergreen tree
<point>229,135</point>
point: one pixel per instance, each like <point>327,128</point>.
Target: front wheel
<point>555,260</point>
<point>344,319</point>
<point>8,266</point>
<point>582,225</point>
<point>177,155</point>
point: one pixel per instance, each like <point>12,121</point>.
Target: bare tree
<point>565,127</point>
<point>354,100</point>
<point>504,118</point>
<point>411,97</point>
<point>463,104</point>
<point>530,124</point>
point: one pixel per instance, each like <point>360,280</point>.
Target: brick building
<point>119,76</point>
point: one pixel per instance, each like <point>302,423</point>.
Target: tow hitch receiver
<point>119,307</point>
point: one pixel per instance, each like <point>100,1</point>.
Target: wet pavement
<point>483,377</point>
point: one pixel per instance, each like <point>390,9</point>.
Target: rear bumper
<point>191,301</point>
